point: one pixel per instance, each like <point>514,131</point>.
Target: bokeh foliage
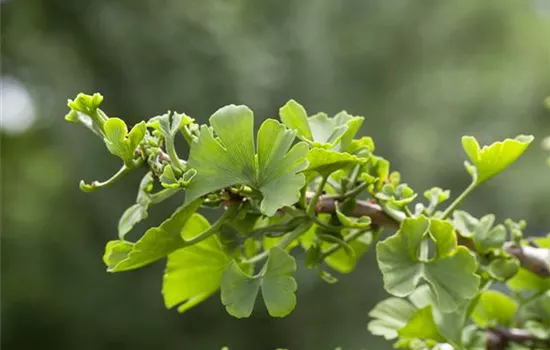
<point>424,73</point>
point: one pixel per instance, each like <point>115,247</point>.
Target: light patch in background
<point>17,113</point>
<point>542,7</point>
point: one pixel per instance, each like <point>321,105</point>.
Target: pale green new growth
<point>491,160</point>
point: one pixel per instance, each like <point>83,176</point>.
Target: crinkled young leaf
<point>504,268</point>
<point>194,273</point>
<point>354,124</point>
<point>240,290</point>
<point>491,160</point>
<point>437,195</point>
<point>138,211</point>
<point>121,143</point>
<point>320,130</point>
<point>294,116</point>
<point>361,222</point>
<point>169,123</point>
<point>325,162</point>
<point>169,179</point>
<point>399,195</point>
<point>390,315</point>
<point>229,159</point>
<point>450,274</point>
<point>166,127</point>
<point>85,110</point>
<point>488,240</point>
<point>361,147</point>
<point>485,236</point>
<point>160,241</point>
<point>115,252</point>
<point>493,309</point>
<point>464,223</point>
<point>381,170</point>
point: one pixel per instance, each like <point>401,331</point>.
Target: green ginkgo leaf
<point>138,211</point>
<point>450,273</point>
<point>538,308</point>
<point>449,324</point>
<point>485,236</point>
<point>160,241</point>
<point>229,159</point>
<point>240,290</point>
<point>493,309</point>
<point>294,116</point>
<point>325,162</point>
<point>491,160</point>
<point>525,280</point>
<point>421,325</point>
<point>390,315</point>
<point>350,222</point>
<point>319,130</point>
<point>121,143</point>
<point>194,273</point>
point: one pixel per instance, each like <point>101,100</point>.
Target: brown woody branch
<point>499,338</point>
<point>532,259</point>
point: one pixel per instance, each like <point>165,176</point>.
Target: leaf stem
<point>408,211</point>
<point>313,202</point>
<point>162,195</point>
<point>187,135</point>
<point>354,175</point>
<point>171,150</point>
<point>355,191</point>
<point>458,200</point>
<point>215,228</point>
<point>324,225</point>
<point>100,184</point>
<point>276,228</point>
<point>348,239</point>
<point>283,243</point>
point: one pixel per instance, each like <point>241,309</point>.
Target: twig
<point>532,259</point>
<point>498,338</point>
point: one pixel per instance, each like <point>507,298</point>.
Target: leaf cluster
<point>305,185</point>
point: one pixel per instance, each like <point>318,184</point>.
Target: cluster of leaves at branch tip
<point>271,186</point>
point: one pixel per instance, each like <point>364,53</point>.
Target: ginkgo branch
<point>532,259</point>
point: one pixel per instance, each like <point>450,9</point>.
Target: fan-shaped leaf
<point>491,160</point>
<point>240,290</point>
<point>229,159</point>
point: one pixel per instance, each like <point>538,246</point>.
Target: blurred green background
<point>424,73</point>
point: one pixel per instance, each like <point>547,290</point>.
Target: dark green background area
<point>423,73</point>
